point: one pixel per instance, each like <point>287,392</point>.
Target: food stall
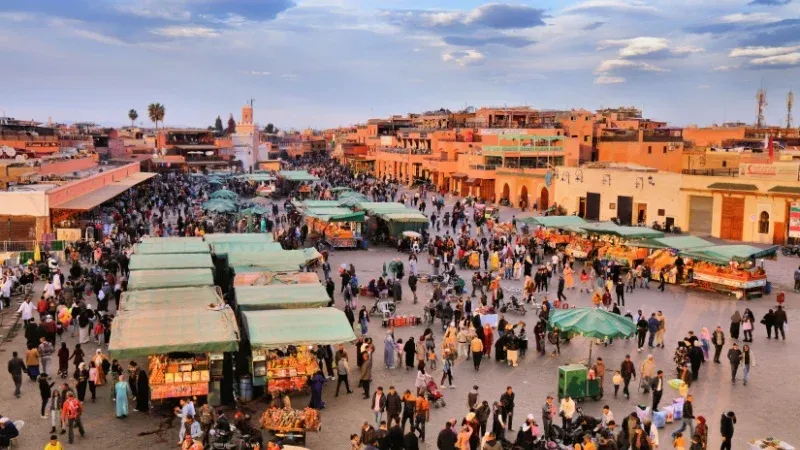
<point>156,247</point>
<point>280,341</point>
<point>398,222</point>
<point>264,182</point>
<point>287,423</point>
<point>174,278</point>
<point>339,227</point>
<point>184,333</point>
<point>269,278</point>
<point>281,296</point>
<point>664,253</point>
<point>171,261</point>
<point>241,238</point>
<point>273,261</point>
<point>731,269</point>
<point>296,180</point>
<point>220,248</point>
<point>620,242</point>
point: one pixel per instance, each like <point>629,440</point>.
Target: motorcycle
<point>514,307</point>
<point>790,250</point>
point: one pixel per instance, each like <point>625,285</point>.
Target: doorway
<point>624,209</point>
<point>582,207</point>
<point>641,213</point>
<point>592,206</point>
<point>523,197</point>
<point>506,193</point>
<point>732,223</point>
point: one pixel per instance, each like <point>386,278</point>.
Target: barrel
<point>768,288</point>
<point>246,388</point>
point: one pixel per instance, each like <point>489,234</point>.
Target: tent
<point>319,204</point>
<point>373,208</point>
<point>171,261</point>
<point>398,222</point>
<point>335,214</point>
<point>227,247</point>
<point>676,242</point>
<point>224,194</point>
<point>560,222</point>
<point>171,239</point>
<point>184,297</point>
<point>216,238</point>
<point>621,231</point>
<point>351,199</point>
<point>180,328</point>
<point>256,209</point>
<point>166,247</point>
<point>220,206</point>
<point>276,261</point>
<point>723,254</point>
<point>279,328</point>
<point>281,296</point>
<point>158,279</point>
<point>297,175</point>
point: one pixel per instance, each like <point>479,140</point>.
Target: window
<point>665,150</point>
<point>649,149</point>
<point>763,223</point>
<point>724,163</point>
<point>586,138</point>
<point>662,212</point>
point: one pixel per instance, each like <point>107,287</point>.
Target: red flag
<point>771,148</point>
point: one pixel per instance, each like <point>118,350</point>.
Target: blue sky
<point>326,63</point>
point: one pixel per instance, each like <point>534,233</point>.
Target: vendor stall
<point>270,278</point>
<point>620,243</point>
<point>218,238</point>
<point>664,252</point>
<point>273,261</point>
<point>175,278</point>
<point>281,296</point>
<point>731,269</point>
<point>398,222</point>
<point>287,423</point>
<point>171,261</point>
<point>155,247</point>
<point>339,227</point>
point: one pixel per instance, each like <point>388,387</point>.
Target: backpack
<point>73,408</point>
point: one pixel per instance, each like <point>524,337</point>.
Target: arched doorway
<point>523,197</point>
<point>506,193</point>
<point>544,199</point>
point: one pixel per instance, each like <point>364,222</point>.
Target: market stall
<point>281,296</point>
<point>292,424</point>
<point>398,222</point>
<point>152,247</point>
<point>664,252</point>
<point>732,269</point>
<point>273,261</point>
<point>228,247</point>
<point>620,242</point>
<point>183,332</point>
<point>280,341</point>
<point>339,227</point>
<point>219,238</point>
<point>269,278</point>
<point>171,261</point>
<point>174,278</point>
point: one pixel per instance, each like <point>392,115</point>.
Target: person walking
<point>726,428</point>
<point>507,399</point>
<point>548,414</point>
<point>779,322</point>
<point>366,373</point>
<point>71,413</point>
<point>628,371</point>
<point>748,360</point>
<point>53,443</point>
<point>422,414</point>
<point>476,346</point>
<point>662,329</point>
<point>735,358</point>
<point>658,389</point>
<point>44,392</point>
<point>687,417</point>
<point>15,367</point>
<point>342,369</point>
<point>560,292</point>
<point>718,339</point>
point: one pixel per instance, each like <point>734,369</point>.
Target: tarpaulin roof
<point>102,194</point>
<point>171,261</point>
<point>257,177</point>
<point>723,254</point>
<point>159,248</point>
<point>220,205</point>
<point>216,238</point>
<point>281,296</point>
<point>224,194</point>
<point>404,217</point>
<point>626,232</point>
<point>676,242</point>
<point>320,203</point>
<point>379,207</point>
<point>297,175</point>
<point>320,326</point>
<point>156,279</point>
<point>156,239</point>
<point>184,328</point>
<point>184,297</point>
<point>227,247</point>
<point>555,221</point>
<point>277,261</point>
<point>335,214</point>
<point>269,278</point>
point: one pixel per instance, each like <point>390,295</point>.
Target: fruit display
<point>178,378</point>
<point>622,254</point>
<point>281,385</point>
<point>660,259</point>
<point>287,419</point>
<point>579,248</point>
<point>769,444</point>
<point>304,364</point>
<point>727,272</point>
<point>158,369</point>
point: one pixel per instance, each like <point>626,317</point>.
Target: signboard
<point>41,144</point>
<point>730,282</point>
<point>68,234</point>
<point>773,172</point>
<point>794,220</point>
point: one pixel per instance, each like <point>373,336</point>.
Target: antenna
<point>761,104</point>
<point>789,104</point>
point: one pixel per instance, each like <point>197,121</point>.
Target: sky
<point>327,63</point>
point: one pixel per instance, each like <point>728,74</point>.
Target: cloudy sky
<point>326,63</point>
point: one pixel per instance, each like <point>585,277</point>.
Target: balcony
<point>733,172</point>
<point>483,166</point>
<point>522,148</point>
<point>405,151</point>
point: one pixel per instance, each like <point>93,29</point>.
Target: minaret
<point>246,126</point>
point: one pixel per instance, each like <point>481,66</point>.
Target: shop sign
<point>68,234</point>
<point>41,144</point>
<point>786,172</point>
<point>729,282</point>
<point>794,220</point>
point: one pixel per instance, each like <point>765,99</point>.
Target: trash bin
<point>245,388</point>
<point>768,288</point>
<point>364,244</point>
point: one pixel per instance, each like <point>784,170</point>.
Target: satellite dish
<point>9,151</point>
<point>21,157</point>
<point>209,153</point>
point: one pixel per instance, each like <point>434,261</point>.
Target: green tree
<point>270,129</point>
<point>133,115</point>
<point>218,125</point>
<point>231,125</point>
<point>156,112</point>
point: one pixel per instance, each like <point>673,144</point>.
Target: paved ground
<point>763,407</point>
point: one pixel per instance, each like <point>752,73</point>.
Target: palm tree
<point>156,112</point>
<point>133,115</point>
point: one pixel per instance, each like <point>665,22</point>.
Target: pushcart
<point>573,381</point>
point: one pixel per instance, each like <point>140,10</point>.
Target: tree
<point>156,112</point>
<point>133,115</point>
<point>270,129</point>
<point>218,125</point>
<point>231,125</point>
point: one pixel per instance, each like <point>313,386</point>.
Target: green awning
<point>216,238</point>
<point>159,279</point>
<point>276,261</point>
<point>723,254</point>
<point>297,175</point>
<point>197,297</point>
<point>224,194</point>
<point>319,204</point>
<point>171,239</point>
<point>734,187</point>
<point>275,329</point>
<point>785,190</point>
<point>621,231</point>
<point>171,261</point>
<point>676,242</point>
<point>228,247</point>
<point>381,207</point>
<point>281,296</point>
<point>335,214</point>
<point>560,222</point>
<point>182,328</point>
<point>403,217</point>
<point>166,247</point>
<point>257,177</point>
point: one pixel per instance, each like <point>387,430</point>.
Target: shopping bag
<point>660,418</point>
<point>677,408</point>
<point>670,413</point>
<point>643,412</point>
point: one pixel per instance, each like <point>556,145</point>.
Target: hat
<point>530,417</point>
<point>470,416</point>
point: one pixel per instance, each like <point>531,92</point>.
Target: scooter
<point>514,307</point>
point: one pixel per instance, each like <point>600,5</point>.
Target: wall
<point>34,204</point>
<point>69,191</point>
<point>707,137</point>
<point>648,154</point>
<point>68,166</point>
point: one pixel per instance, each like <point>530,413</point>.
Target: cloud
<point>786,31</point>
<point>646,46</point>
<point>508,41</point>
<point>186,32</point>
<point>611,65</point>
<point>605,79</point>
<point>762,51</point>
<point>505,17</point>
<point>468,57</point>
<point>288,76</point>
<point>789,59</point>
<point>724,68</point>
<point>611,6</point>
<point>491,16</point>
<point>257,73</point>
<point>770,2</point>
<point>749,18</point>
<point>593,26</point>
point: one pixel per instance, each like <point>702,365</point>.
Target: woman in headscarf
<point>83,379</point>
<point>389,349</point>
<point>705,342</point>
<point>736,321</point>
<point>84,324</point>
<point>449,339</point>
<point>121,394</point>
<point>316,390</point>
<point>98,360</point>
<point>488,338</point>
<point>410,350</point>
<point>142,391</point>
<point>702,430</point>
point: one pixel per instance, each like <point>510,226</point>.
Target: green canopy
<point>254,210</point>
<point>217,238</point>
<point>723,254</point>
<point>281,296</point>
<point>351,201</point>
<point>171,239</point>
<point>297,175</point>
<point>319,204</point>
<point>335,214</point>
<point>676,242</point>
<point>224,194</point>
<point>340,189</point>
<point>183,297</point>
<point>560,222</point>
<point>220,206</point>
<point>171,261</point>
<point>158,248</point>
<point>273,261</point>
<point>621,231</point>
<point>228,247</point>
<point>156,279</point>
<point>373,208</point>
<point>181,328</point>
<point>592,323</point>
<point>279,328</point>
<point>404,217</point>
<point>256,177</point>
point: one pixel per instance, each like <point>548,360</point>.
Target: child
<point>432,358</point>
<point>678,443</point>
<point>617,380</point>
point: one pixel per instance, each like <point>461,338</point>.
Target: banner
<point>68,234</point>
<point>794,220</point>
